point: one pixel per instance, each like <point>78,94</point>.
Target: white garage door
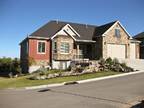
<point>116,51</point>
<point>132,51</point>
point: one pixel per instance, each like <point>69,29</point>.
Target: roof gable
<point>103,28</point>
<point>112,26</point>
<point>67,30</point>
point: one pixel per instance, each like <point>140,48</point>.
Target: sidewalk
<point>84,81</point>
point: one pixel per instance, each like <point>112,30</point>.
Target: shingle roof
<point>140,35</point>
<point>103,28</point>
<point>87,32</point>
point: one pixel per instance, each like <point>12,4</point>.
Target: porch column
<point>77,51</point>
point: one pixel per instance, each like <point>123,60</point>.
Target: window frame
<point>38,47</point>
<point>64,51</point>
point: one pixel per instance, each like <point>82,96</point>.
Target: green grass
<point>25,82</point>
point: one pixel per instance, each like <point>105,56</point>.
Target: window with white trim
<point>64,48</point>
<point>117,32</point>
<point>41,47</point>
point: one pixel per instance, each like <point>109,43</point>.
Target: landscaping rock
<point>50,76</point>
<point>43,77</point>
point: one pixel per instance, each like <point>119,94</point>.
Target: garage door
<point>116,51</point>
<point>132,51</point>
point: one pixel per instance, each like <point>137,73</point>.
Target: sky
<point>18,18</point>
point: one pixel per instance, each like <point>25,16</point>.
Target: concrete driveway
<point>110,93</point>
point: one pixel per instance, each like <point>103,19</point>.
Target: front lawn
<point>25,82</point>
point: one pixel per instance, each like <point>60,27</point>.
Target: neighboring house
<point>58,43</point>
<point>140,37</point>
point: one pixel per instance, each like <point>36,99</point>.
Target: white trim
<point>124,28</point>
<point>60,47</point>
<point>37,47</point>
<point>73,29</point>
<point>66,32</point>
<point>134,41</point>
<point>69,34</point>
<point>104,34</point>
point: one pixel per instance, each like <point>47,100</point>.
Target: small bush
<point>116,61</point>
<point>109,61</point>
<point>9,66</point>
<point>114,65</point>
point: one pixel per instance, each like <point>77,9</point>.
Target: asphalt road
<point>110,93</point>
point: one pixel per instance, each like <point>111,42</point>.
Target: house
<point>140,37</point>
<point>57,43</point>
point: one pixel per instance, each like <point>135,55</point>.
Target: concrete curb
<point>84,81</point>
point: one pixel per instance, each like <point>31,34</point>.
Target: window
<point>117,32</point>
<point>64,47</point>
<point>55,47</point>
<point>41,47</point>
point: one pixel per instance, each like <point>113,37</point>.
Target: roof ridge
<point>108,23</point>
<point>73,23</point>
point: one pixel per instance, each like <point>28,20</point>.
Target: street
<point>110,93</point>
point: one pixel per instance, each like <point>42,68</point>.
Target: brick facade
<point>29,50</point>
<point>41,59</point>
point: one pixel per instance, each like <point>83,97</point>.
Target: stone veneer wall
<point>111,38</point>
<point>59,56</point>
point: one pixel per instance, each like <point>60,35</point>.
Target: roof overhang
<point>134,41</point>
<point>34,37</point>
<point>89,41</point>
<point>37,37</point>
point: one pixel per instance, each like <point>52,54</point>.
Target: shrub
<point>116,61</point>
<point>103,65</point>
<point>77,69</point>
<point>109,61</point>
<point>9,65</point>
<point>114,65</point>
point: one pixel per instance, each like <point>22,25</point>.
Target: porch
<point>84,51</point>
<point>76,51</point>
